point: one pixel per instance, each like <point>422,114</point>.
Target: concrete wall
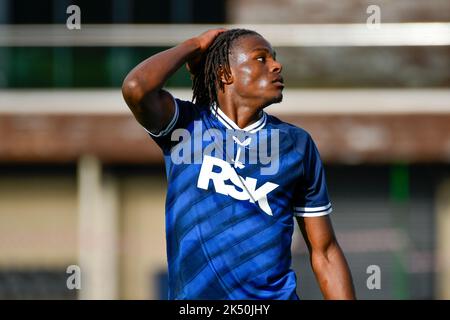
<point>39,229</point>
<point>143,248</point>
<point>38,221</point>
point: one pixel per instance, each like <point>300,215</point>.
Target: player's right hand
<point>207,38</point>
<point>204,41</point>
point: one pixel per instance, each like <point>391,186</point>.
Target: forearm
<point>142,88</point>
<point>151,74</point>
<point>332,273</point>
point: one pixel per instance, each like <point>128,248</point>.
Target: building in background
<point>82,184</point>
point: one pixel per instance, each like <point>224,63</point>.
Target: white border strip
<point>313,214</point>
<point>313,209</point>
<point>287,35</point>
<point>230,124</point>
<point>170,126</point>
<point>295,102</point>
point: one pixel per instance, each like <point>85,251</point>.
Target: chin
<point>273,98</point>
<point>273,101</point>
<point>277,99</point>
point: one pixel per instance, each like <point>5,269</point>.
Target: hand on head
<point>204,41</point>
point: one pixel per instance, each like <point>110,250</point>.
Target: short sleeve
<point>311,194</point>
<point>184,114</point>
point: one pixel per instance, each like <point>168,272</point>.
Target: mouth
<point>278,81</point>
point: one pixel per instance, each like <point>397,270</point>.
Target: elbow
<point>131,91</point>
<point>326,253</point>
<point>319,261</point>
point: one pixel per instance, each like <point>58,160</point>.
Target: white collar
<point>230,124</point>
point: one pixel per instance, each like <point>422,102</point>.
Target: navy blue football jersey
<point>231,199</point>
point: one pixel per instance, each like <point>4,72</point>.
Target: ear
<point>224,76</point>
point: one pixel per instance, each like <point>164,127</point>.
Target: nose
<point>276,66</point>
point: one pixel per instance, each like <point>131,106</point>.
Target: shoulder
<point>190,109</point>
<point>299,136</point>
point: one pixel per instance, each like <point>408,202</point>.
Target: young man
<point>236,175</point>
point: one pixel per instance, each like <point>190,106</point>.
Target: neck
<point>242,113</point>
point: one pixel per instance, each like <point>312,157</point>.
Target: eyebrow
<point>265,49</point>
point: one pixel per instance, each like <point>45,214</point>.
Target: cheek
<point>262,83</point>
<point>244,72</point>
<point>249,77</point>
<point>245,76</point>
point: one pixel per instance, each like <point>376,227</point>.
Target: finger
<point>219,31</point>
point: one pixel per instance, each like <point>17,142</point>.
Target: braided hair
<point>206,81</point>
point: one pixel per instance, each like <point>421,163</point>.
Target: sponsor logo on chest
<point>229,183</point>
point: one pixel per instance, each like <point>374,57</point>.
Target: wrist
<point>193,46</point>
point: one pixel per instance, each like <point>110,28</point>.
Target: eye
<point>262,59</point>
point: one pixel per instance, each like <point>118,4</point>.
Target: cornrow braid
<point>206,81</point>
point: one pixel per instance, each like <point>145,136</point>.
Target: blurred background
<point>82,184</point>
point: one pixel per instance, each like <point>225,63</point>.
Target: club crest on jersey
<point>229,183</point>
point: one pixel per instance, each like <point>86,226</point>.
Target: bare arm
<point>142,88</point>
<point>327,259</point>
